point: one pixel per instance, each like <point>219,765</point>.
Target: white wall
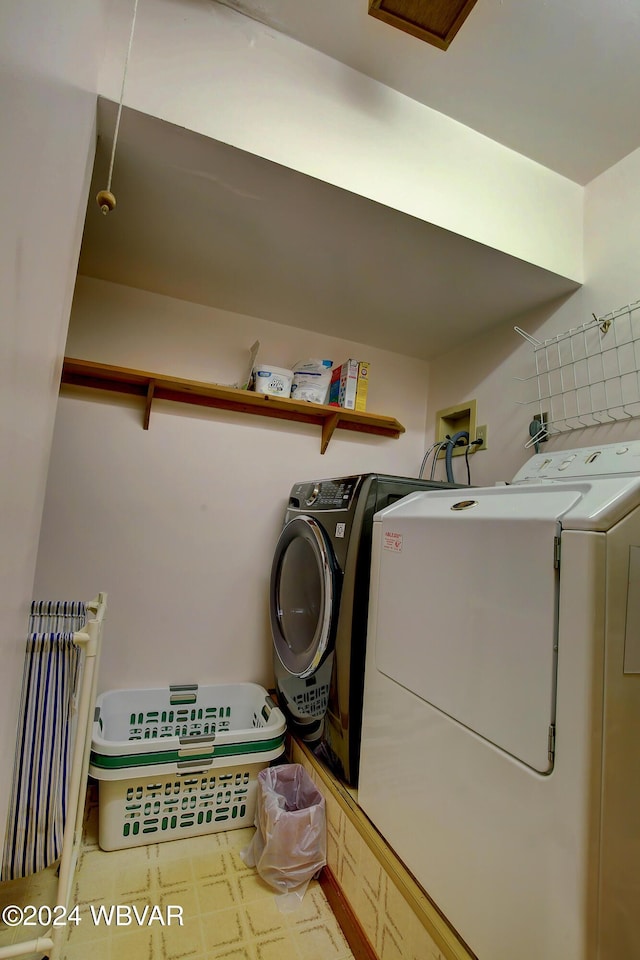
<point>203,66</point>
<point>485,368</point>
<point>179,523</point>
<point>48,66</point>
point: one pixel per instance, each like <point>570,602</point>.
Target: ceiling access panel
<point>436,22</point>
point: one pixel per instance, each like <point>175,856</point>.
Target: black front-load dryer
<point>319,600</point>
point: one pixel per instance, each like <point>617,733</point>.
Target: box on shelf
<point>180,761</point>
<point>362,386</point>
<point>344,380</point>
<point>349,384</point>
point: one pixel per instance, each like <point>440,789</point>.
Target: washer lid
<point>582,504</point>
<point>466,614</point>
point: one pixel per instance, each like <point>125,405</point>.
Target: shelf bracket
<point>328,427</point>
<point>147,410</point>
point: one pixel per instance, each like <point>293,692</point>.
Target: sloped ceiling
<point>555,80</point>
<point>203,221</point>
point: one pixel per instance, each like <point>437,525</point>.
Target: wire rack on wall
<point>586,376</point>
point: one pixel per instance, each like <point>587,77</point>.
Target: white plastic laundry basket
<point>182,760</point>
<point>137,810</point>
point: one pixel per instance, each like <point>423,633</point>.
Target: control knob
<point>315,493</point>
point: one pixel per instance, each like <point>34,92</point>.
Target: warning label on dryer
<point>392,541</point>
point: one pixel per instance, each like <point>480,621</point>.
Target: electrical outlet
<point>481,434</point>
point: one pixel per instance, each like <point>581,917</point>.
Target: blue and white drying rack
<point>44,825</point>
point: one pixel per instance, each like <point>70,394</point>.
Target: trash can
<point>289,846</point>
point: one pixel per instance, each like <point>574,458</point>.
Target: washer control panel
<point>335,494</point>
<point>607,460</point>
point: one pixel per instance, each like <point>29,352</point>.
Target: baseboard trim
<point>349,924</point>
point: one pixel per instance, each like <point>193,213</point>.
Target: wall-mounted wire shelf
<point>588,376</point>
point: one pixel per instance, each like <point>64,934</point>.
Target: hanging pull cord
<point>105,199</point>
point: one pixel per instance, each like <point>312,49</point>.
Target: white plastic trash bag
<point>289,846</point>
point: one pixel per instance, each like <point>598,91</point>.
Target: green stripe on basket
<point>103,762</point>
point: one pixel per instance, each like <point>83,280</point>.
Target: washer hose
<point>448,454</point>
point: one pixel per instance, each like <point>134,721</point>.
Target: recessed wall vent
<point>436,21</point>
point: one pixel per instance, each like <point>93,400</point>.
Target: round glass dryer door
<point>304,596</point>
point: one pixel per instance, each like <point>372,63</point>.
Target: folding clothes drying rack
<point>47,621</point>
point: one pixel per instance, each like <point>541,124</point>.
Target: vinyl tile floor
<point>227,911</point>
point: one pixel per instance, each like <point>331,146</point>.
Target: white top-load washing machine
<point>501,727</point>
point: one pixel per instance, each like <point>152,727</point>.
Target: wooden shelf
<point>155,386</point>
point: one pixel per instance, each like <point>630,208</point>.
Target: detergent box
<point>362,386</point>
<point>344,381</point>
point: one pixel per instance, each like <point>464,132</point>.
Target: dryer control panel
<point>324,494</point>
